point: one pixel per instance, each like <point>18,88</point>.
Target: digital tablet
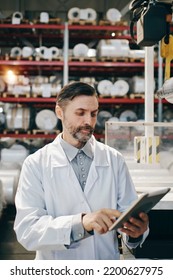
<point>144,203</point>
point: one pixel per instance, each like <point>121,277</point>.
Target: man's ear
<point>58,111</point>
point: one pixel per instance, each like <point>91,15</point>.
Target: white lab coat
<point>49,195</point>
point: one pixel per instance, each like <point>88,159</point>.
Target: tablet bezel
<point>144,203</point>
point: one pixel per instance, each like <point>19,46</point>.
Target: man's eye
<point>93,115</point>
<point>79,113</point>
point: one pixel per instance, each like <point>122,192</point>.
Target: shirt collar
<point>72,151</point>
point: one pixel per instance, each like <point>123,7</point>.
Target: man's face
<point>78,119</point>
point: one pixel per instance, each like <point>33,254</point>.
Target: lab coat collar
<point>72,151</point>
<point>58,157</point>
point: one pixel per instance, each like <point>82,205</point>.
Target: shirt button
<point>83,175</point>
<point>83,169</point>
<point>80,235</point>
<point>81,163</point>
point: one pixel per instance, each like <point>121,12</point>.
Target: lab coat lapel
<point>100,160</point>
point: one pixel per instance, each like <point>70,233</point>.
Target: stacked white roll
<point>114,120</point>
<point>128,115</point>
<point>113,15</point>
<point>166,160</point>
<point>17,17</point>
<point>138,84</point>
<point>27,52</point>
<point>104,87</point>
<point>108,88</point>
<point>46,120</point>
<point>48,53</point>
<point>16,153</point>
<point>82,14</point>
<point>2,84</point>
<point>74,13</point>
<point>113,48</point>
<point>137,54</point>
<point>44,17</point>
<point>80,50</point>
<point>18,118</point>
<point>16,52</point>
<point>1,198</point>
<point>102,117</point>
<point>9,174</point>
<point>119,88</point>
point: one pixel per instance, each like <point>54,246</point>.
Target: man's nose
<point>87,119</point>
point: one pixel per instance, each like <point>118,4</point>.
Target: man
<point>71,190</point>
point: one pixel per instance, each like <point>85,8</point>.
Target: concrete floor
<point>10,249</point>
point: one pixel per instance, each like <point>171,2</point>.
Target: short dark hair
<point>72,90</point>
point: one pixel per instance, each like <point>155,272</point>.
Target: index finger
<point>112,212</point>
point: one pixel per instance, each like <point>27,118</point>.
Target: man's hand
<point>101,220</point>
<point>136,227</point>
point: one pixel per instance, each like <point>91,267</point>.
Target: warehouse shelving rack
<point>65,66</point>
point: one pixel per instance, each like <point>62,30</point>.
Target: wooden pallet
<point>113,59</point>
<point>73,58</point>
<point>137,95</point>
<point>44,132</point>
<point>51,21</point>
<point>112,97</point>
<point>18,58</point>
<point>59,58</point>
<point>36,95</point>
<point>7,94</point>
<point>136,59</point>
<point>9,20</point>
<point>116,23</point>
<point>81,22</point>
<point>16,131</point>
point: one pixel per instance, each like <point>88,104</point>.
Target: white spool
<point>16,153</point>
<point>92,52</point>
<point>2,85</point>
<point>1,198</point>
<point>113,15</point>
<point>46,90</point>
<point>46,120</point>
<point>128,115</point>
<point>17,17</point>
<point>138,84</point>
<point>16,52</point>
<point>37,89</point>
<point>121,88</point>
<point>140,128</point>
<point>18,118</point>
<point>104,87</point>
<point>113,48</point>
<point>54,52</point>
<point>20,89</point>
<point>9,174</point>
<point>138,54</point>
<point>55,89</point>
<point>88,14</point>
<point>44,17</point>
<point>27,51</point>
<point>83,14</point>
<point>43,52</point>
<point>102,117</point>
<point>114,119</point>
<point>74,14</point>
<point>121,47</point>
<point>8,188</point>
<point>80,50</point>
